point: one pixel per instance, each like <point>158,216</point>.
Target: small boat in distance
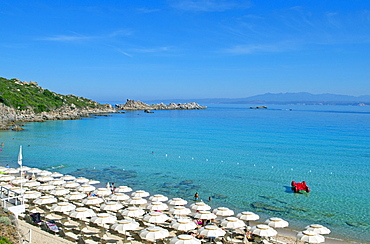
<point>300,187</point>
<point>259,107</point>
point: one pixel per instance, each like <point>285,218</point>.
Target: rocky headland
<point>138,105</point>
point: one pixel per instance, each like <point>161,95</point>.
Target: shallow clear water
<point>244,159</point>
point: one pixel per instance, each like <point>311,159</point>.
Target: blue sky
<point>114,50</point>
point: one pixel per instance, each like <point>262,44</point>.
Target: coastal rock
<point>138,105</point>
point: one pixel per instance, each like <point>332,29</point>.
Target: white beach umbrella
<point>310,237</point>
<point>200,206</point>
<point>211,231</point>
<point>263,231</point>
<point>56,175</point>
<point>93,182</point>
<point>11,171</point>
<point>70,184</point>
<point>124,225</point>
<point>24,168</point>
<point>140,193</point>
<point>32,183</point>
<point>62,207</point>
<point>34,171</point>
<point>232,223</point>
<point>248,216</point>
<point>277,222</point>
<point>59,191</point>
<point>319,229</point>
<point>159,206</point>
<point>158,198</point>
<point>31,194</point>
<point>86,188</point>
<point>205,215</point>
<point>154,233</point>
<point>103,219</point>
<point>132,212</point>
<point>223,212</point>
<point>68,177</point>
<point>45,200</point>
<point>2,169</point>
<point>185,239</point>
<point>5,184</point>
<point>111,206</point>
<point>183,224</point>
<point>180,211</point>
<point>123,189</point>
<point>92,201</point>
<point>45,178</point>
<point>137,201</point>
<point>19,180</point>
<point>45,187</point>
<point>74,195</point>
<point>57,182</point>
<point>82,213</point>
<point>177,201</point>
<point>119,196</point>
<point>103,191</point>
<point>82,180</point>
<point>155,217</point>
<point>18,189</point>
<point>7,177</point>
<point>44,173</point>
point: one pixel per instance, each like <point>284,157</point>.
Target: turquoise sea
<point>244,159</point>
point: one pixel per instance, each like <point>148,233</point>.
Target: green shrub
<point>5,220</point>
<point>4,240</point>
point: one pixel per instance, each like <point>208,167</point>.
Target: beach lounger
<point>68,235</point>
<point>50,226</point>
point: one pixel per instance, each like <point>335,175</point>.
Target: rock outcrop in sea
<point>138,105</point>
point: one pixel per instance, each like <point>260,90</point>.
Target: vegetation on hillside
<point>23,95</point>
<point>8,232</point>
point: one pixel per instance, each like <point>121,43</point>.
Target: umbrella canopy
<point>74,195</point>
<point>31,194</point>
<point>124,225</point>
<point>232,223</point>
<point>63,207</point>
<point>319,229</point>
<point>123,189</point>
<point>82,213</point>
<point>93,182</point>
<point>160,206</point>
<point>156,217</point>
<point>34,171</point>
<point>183,224</point>
<point>223,212</point>
<point>140,193</point>
<point>200,206</point>
<point>24,168</point>
<point>137,201</point>
<point>119,196</point>
<point>248,216</point>
<point>185,239</point>
<point>211,231</point>
<point>103,191</point>
<point>71,184</point>
<point>56,174</point>
<point>177,202</point>
<point>263,231</point>
<point>153,233</point>
<point>45,178</point>
<point>158,198</point>
<point>92,201</point>
<point>277,223</point>
<point>86,188</point>
<point>32,183</point>
<point>18,189</point>
<point>7,177</point>
<point>59,191</point>
<point>45,187</point>
<point>310,237</point>
<point>132,212</point>
<point>57,182</point>
<point>111,206</point>
<point>82,180</point>
<point>103,218</point>
<point>11,171</point>
<point>180,210</point>
<point>68,177</point>
<point>205,215</point>
<point>44,173</point>
<point>19,180</point>
<point>45,200</point>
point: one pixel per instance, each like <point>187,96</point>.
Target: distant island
<point>138,105</point>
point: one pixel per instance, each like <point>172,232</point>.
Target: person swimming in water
<point>196,196</point>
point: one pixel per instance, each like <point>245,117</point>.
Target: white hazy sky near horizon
<point>113,50</point>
